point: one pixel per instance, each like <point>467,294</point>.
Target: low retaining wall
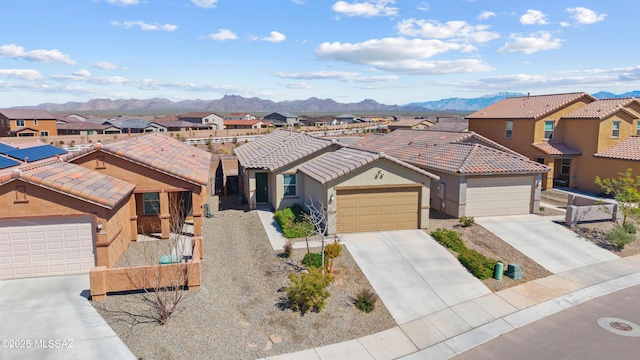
<point>104,280</point>
<point>581,209</point>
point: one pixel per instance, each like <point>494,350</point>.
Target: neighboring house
<point>80,128</point>
<point>362,190</point>
<point>214,120</point>
<point>449,124</point>
<point>322,121</point>
<point>410,124</point>
<point>477,177</point>
<point>239,116</point>
<point>132,126</point>
<point>564,132</point>
<point>282,119</point>
<point>27,122</point>
<point>346,119</point>
<point>245,124</point>
<point>179,125</point>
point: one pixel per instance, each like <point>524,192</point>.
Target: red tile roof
<point>628,149</point>
<point>456,152</point>
<point>556,149</point>
<point>164,154</point>
<point>529,107</point>
<point>602,108</point>
<point>77,181</point>
<point>27,114</point>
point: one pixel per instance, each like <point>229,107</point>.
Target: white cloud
<point>275,37</point>
<point>144,26</point>
<point>486,15</point>
<point>345,76</point>
<point>424,67</point>
<point>223,35</point>
<point>585,16</point>
<point>299,2</point>
<point>564,24</point>
<point>83,73</point>
<point>533,43</point>
<point>423,6</point>
<point>17,52</point>
<point>123,2</point>
<point>207,4</point>
<point>105,65</point>
<point>454,30</point>
<point>366,8</point>
<point>24,74</point>
<point>534,17</point>
<point>296,85</point>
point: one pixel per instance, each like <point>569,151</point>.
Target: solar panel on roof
<point>6,163</point>
<point>6,148</point>
<point>36,153</point>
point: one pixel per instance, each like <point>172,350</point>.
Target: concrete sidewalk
<point>546,242</point>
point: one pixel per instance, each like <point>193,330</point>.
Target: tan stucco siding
<point>605,168</point>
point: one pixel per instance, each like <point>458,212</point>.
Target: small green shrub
<point>467,221</point>
<point>619,237</point>
<point>292,222</point>
<point>479,265</point>
<point>449,238</point>
<point>308,290</point>
<point>629,227</point>
<point>316,260</point>
<point>366,300</point>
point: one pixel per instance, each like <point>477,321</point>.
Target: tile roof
<point>456,152</point>
<point>556,149</point>
<point>164,154</point>
<point>285,114</point>
<point>628,149</point>
<point>196,114</point>
<point>602,108</point>
<point>77,181</point>
<point>241,122</point>
<point>528,107</point>
<point>81,125</point>
<point>182,123</point>
<point>408,122</point>
<point>26,114</point>
<point>450,124</point>
<point>131,123</point>
<point>278,149</point>
<point>336,164</point>
<point>229,165</point>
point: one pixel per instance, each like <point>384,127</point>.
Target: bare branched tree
<point>319,218</point>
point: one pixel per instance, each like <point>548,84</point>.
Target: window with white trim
<point>151,202</point>
<point>615,130</point>
<point>565,167</point>
<point>44,133</point>
<point>289,184</point>
<point>35,122</point>
<point>548,129</point>
<point>508,129</point>
<point>20,123</point>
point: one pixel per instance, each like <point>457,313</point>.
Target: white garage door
<point>46,247</point>
<point>498,196</point>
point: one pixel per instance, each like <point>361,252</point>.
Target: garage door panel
<point>377,209</point>
<point>498,196</point>
<point>46,247</point>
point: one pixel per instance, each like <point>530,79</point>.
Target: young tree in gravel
<point>626,191</point>
<point>319,218</point>
<point>164,284</point>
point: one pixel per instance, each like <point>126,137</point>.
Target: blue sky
<point>394,52</point>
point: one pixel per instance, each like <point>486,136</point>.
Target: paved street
<point>570,334</point>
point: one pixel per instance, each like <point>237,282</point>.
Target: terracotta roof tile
<point>529,107</point>
<point>27,114</point>
<point>165,154</point>
<point>556,149</point>
<point>602,108</point>
<point>78,181</point>
<point>628,149</point>
<point>457,152</point>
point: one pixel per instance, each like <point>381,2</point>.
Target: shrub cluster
<point>366,300</point>
<point>292,222</point>
<point>629,227</point>
<point>308,290</point>
<point>478,264</point>
<point>619,236</point>
<point>316,260</point>
<point>467,221</point>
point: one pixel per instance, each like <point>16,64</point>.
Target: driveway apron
<point>546,242</point>
<point>413,274</point>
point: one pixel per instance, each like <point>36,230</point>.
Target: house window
<point>20,123</point>
<point>565,167</point>
<point>289,184</point>
<point>151,202</point>
<point>638,129</point>
<point>44,133</point>
<point>615,132</point>
<point>89,132</point>
<point>35,122</point>
<point>508,129</point>
<point>548,129</point>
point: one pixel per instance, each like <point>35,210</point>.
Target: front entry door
<point>262,188</point>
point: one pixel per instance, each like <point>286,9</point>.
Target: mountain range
<point>235,103</point>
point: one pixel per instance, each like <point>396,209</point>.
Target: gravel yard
<point>240,312</point>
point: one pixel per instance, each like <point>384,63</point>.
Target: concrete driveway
<point>413,274</point>
<point>56,312</point>
<point>551,245</point>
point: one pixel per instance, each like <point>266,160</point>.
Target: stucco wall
<point>450,202</point>
<point>605,168</point>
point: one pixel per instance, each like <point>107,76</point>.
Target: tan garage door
<point>377,209</point>
<point>46,247</point>
<point>499,196</point>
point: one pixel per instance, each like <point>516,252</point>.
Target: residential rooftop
<point>529,107</point>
